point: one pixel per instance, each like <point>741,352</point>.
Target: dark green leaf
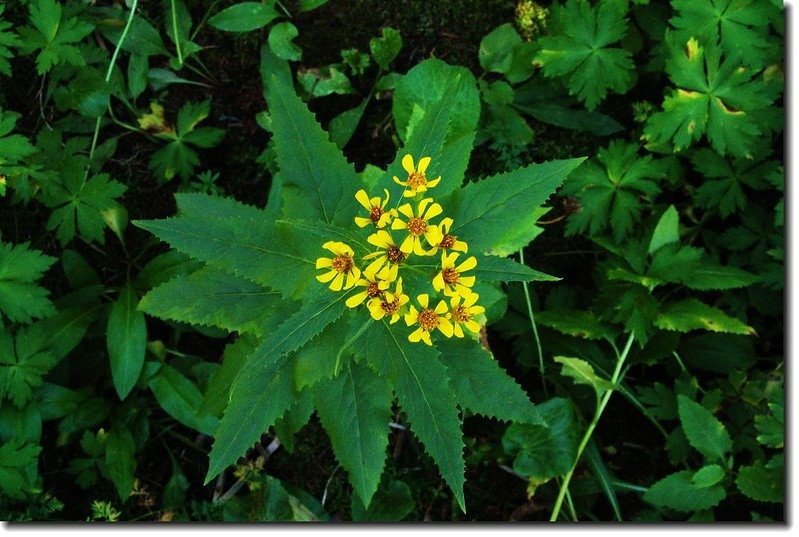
<point>120,460</point>
<point>244,17</point>
<point>678,492</point>
<point>705,433</point>
<point>126,337</point>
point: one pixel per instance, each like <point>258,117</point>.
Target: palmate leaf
<point>78,204</point>
<point>21,298</point>
<point>741,26</point>
<point>718,98</point>
<point>213,297</point>
<point>507,204</point>
<point>355,409</point>
<point>22,366</point>
<point>263,389</point>
<point>611,189</point>
<point>13,147</point>
<point>7,40</point>
<point>580,49</point>
<point>690,267</point>
<point>53,35</point>
<point>15,456</point>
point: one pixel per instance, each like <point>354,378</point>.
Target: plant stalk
<point>534,327</point>
<point>591,426</point>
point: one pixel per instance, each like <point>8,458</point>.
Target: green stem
<point>615,380</point>
<point>535,329</point>
<point>175,32</point>
<point>108,73</point>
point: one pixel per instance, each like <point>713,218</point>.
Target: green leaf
<point>678,492</point>
<point>142,38</point>
<point>716,98</point>
<point>280,41</point>
<point>238,239</point>
<point>391,503</point>
<point>355,409</point>
<point>496,48</point>
<point>583,373</point>
<point>21,299</point>
<point>120,460</point>
<point>22,367</point>
<point>690,267</point>
<point>544,451</point>
<point>263,389</point>
<point>708,476</point>
<point>741,26</point>
<point>213,297</point>
<point>491,268</point>
<point>53,35</point>
<point>343,126</point>
<point>15,456</point>
<point>580,49</point>
<point>717,352</point>
<point>430,407</point>
<point>705,433</point>
<point>386,47</point>
<point>307,158</point>
<point>691,314</point>
<point>244,17</point>
<point>666,230</point>
<point>14,147</point>
<point>78,204</point>
<point>7,40</point>
<point>294,419</point>
<point>126,337</point>
<point>327,80</point>
<point>761,483</point>
<point>308,5</point>
<point>216,395</point>
<point>181,399</point>
<point>610,190</point>
<point>577,323</point>
<point>482,386</point>
<point>506,204</point>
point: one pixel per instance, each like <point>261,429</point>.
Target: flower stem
<point>175,32</point>
<point>535,329</point>
<point>620,358</point>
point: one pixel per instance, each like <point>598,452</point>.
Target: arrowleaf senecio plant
<point>329,272</point>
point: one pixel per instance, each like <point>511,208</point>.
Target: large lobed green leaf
<point>497,215</point>
<point>21,299</point>
<point>355,409</point>
<point>264,388</point>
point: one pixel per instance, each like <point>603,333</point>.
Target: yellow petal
<point>448,261</point>
<point>426,338</point>
<point>385,201</point>
<point>441,308</point>
<point>356,299</point>
<point>469,264</point>
<point>352,278</point>
<point>332,246</point>
<point>423,206</point>
<point>337,282</point>
<point>411,316</point>
<point>363,199</point>
<point>375,309</point>
<point>470,299</point>
<point>438,282</point>
<point>434,210</point>
<point>381,239</point>
<point>424,162</point>
<point>397,180</point>
<point>407,244</point>
<point>446,224</point>
<point>409,193</point>
<point>473,326</point>
<point>460,246</point>
<point>324,262</point>
<point>407,163</point>
<point>398,224</point>
<point>406,210</point>
<point>374,266</point>
<point>445,327</point>
<point>423,300</point>
<point>476,310</point>
<point>418,249</point>
<point>457,330</point>
<point>326,277</point>
<point>360,221</point>
<point>434,235</point>
<point>416,335</point>
<point>434,182</point>
<point>467,281</point>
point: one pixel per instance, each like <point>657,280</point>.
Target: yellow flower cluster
<point>400,233</point>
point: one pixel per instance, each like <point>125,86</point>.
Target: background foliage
<point>655,363</point>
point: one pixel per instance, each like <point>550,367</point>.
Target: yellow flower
<point>416,225</point>
<point>428,320</point>
<point>417,181</point>
<point>389,304</point>
<point>377,210</point>
<point>439,237</point>
<point>463,314</point>
<point>451,279</point>
<point>389,255</point>
<point>340,266</point>
<point>373,288</point>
